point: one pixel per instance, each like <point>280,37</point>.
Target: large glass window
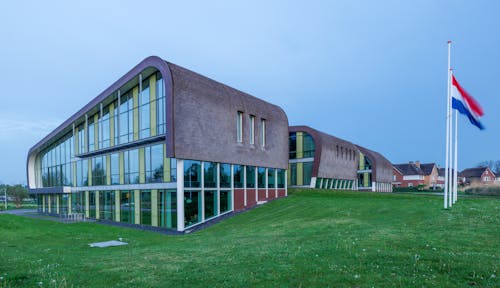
<point>262,177</point>
<point>192,207</point>
<point>250,176</point>
<point>115,168</point>
<point>293,174</point>
<point>82,173</point>
<point>77,202</point>
<point>91,134</point>
<point>225,175</point>
<point>127,207</point>
<point>92,207</point>
<point>192,173</point>
<point>99,171</point>
<point>270,178</point>
<point>307,172</point>
<point>167,208</point>
<point>281,178</point>
<point>81,139</point>
<point>225,201</point>
<point>145,207</point>
<point>126,118</point>
<point>107,205</point>
<point>144,112</point>
<point>116,124</point>
<point>309,147</point>
<point>53,203</point>
<point>173,170</point>
<point>238,176</point>
<point>55,163</point>
<point>131,166</point>
<point>63,204</point>
<point>292,145</point>
<point>154,163</point>
<point>105,133</point>
<point>210,203</point>
<point>160,104</point>
<point>210,174</point>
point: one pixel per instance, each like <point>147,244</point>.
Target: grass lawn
<point>310,239</point>
<point>11,206</point>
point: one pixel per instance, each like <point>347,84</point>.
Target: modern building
<point>319,160</point>
<point>162,146</point>
<point>374,171</point>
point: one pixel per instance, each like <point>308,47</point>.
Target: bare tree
<point>493,165</point>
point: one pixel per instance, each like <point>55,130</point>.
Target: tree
<point>18,193</point>
<point>493,165</point>
<point>497,167</point>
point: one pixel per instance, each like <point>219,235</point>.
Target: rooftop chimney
<point>417,163</point>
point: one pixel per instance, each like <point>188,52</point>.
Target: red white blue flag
<point>465,103</point>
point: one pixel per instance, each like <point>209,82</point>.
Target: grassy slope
<point>308,239</point>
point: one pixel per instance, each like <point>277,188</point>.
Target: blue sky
<point>371,72</point>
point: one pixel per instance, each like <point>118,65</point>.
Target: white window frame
<point>263,132</point>
<point>239,127</point>
<point>252,129</point>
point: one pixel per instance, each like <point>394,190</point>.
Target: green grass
<point>310,239</point>
<point>11,206</point>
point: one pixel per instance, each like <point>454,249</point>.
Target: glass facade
<point>192,207</point>
<point>107,205</point>
<point>301,150</point>
<point>225,175</point>
<point>239,176</point>
<point>250,176</point>
<point>192,173</point>
<point>167,208</point>
<point>55,164</point>
<point>145,207</point>
<point>119,122</point>
<point>364,172</point>
<point>127,207</point>
<point>116,167</point>
<point>154,163</point>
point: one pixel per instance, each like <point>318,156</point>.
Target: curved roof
<point>327,164</point>
<point>205,114</point>
<point>150,62</point>
<point>381,167</point>
<point>200,118</point>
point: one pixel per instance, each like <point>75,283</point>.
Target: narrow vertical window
<point>239,127</point>
<point>252,129</point>
<point>263,132</point>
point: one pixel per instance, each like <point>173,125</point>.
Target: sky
<point>371,72</point>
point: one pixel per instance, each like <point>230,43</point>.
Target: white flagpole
<point>455,173</point>
<point>447,162</point>
<point>450,174</point>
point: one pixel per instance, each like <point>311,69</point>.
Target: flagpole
<point>455,173</point>
<point>450,173</point>
<point>446,175</point>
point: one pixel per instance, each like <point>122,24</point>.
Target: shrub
<point>483,190</point>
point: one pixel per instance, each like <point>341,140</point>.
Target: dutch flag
<point>465,104</point>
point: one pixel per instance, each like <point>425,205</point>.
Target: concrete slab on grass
<point>108,244</point>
